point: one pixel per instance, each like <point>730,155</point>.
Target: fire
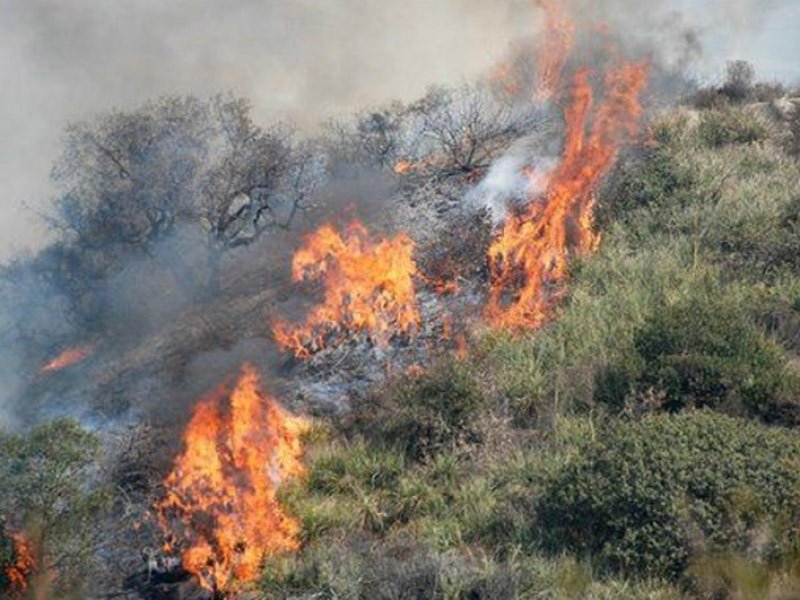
<point>529,258</point>
<point>403,167</point>
<point>67,358</point>
<point>369,287</point>
<point>18,573</point>
<point>220,505</point>
<point>505,78</point>
<point>555,48</point>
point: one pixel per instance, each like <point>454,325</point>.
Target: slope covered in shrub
<point>652,495</point>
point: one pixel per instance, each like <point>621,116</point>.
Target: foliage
<point>701,351</point>
<point>49,492</point>
<point>731,126</point>
<point>651,495</point>
<point>428,414</point>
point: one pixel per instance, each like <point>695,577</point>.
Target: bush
<point>427,414</point>
<point>739,81</point>
<point>725,127</point>
<point>656,179</point>
<point>51,490</point>
<point>652,495</point>
<point>702,351</point>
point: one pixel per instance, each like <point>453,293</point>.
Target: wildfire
<point>220,507</point>
<point>369,287</point>
<point>529,258</point>
<point>67,358</point>
<point>553,52</point>
<point>19,571</point>
<point>403,167</point>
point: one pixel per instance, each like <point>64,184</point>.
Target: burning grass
<point>220,511</point>
<point>368,287</point>
<point>529,258</point>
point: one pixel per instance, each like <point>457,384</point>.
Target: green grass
<point>449,484</point>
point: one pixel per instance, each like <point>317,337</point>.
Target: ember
<point>18,573</point>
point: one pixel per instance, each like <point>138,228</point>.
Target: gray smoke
<point>305,60</point>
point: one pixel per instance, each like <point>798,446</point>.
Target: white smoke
<point>520,174</point>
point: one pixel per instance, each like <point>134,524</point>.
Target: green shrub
<point>426,414</point>
<point>654,177</point>
<point>50,488</point>
<point>725,127</point>
<point>702,351</point>
<point>651,495</point>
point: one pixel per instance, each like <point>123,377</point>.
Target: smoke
<point>512,180</point>
<point>304,60</point>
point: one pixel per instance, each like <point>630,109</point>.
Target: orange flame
<point>554,49</point>
<point>403,167</point>
<point>531,254</point>
<point>369,287</point>
<point>67,358</point>
<point>19,572</point>
<point>220,503</point>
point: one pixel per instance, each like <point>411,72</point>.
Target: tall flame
<point>24,563</point>
<point>529,258</point>
<point>220,508</point>
<point>369,287</point>
<point>554,49</point>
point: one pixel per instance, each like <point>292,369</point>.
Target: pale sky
<point>62,60</point>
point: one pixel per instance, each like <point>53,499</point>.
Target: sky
<point>302,60</point>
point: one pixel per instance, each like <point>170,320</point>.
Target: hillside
<point>488,345</point>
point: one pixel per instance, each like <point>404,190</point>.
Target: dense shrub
<point>655,179</point>
<point>651,495</point>
<point>51,488</point>
<point>725,127</point>
<point>699,352</point>
<point>426,414</point>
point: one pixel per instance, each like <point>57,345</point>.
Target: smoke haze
<point>303,60</point>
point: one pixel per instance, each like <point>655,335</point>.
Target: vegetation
<point>651,496</point>
<point>48,494</point>
<point>641,445</point>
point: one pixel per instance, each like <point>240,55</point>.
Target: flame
<point>554,49</point>
<point>505,78</point>
<point>528,260</point>
<point>403,167</point>
<point>67,358</point>
<point>369,287</point>
<point>19,572</point>
<point>220,502</point>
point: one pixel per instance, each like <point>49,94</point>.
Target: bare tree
<point>466,127</point>
<point>739,81</point>
<point>375,137</point>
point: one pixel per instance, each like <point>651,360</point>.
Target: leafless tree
<point>375,137</point>
<point>466,127</point>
